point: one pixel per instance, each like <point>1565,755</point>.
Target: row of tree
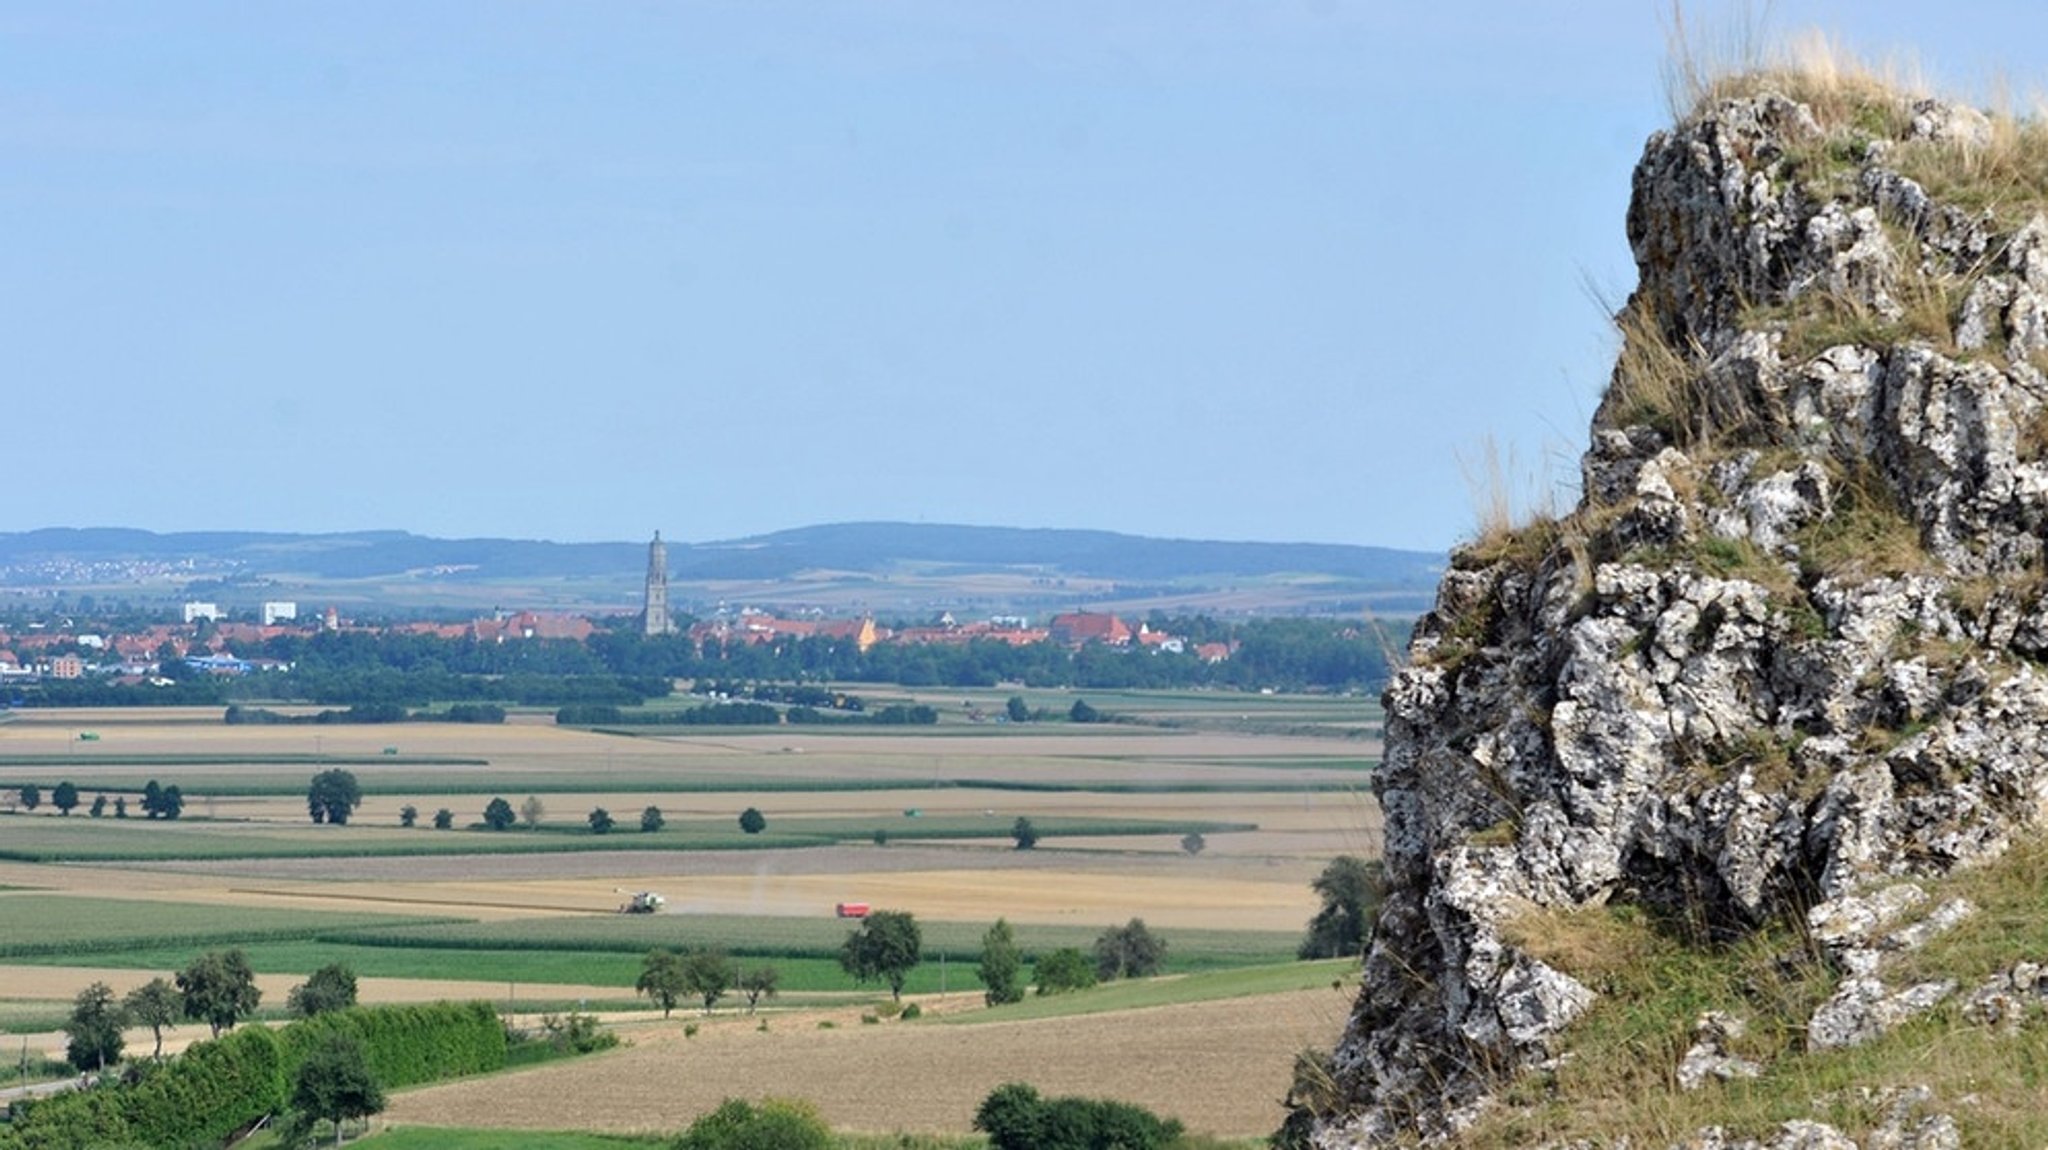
<point>158,801</point>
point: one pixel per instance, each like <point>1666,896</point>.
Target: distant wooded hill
<point>850,547</point>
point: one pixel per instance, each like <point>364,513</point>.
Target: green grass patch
<point>1619,1081</point>
<point>1339,974</point>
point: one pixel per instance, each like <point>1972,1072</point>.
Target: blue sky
<point>581,271</point>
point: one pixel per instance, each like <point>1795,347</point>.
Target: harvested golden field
<point>1221,1067</point>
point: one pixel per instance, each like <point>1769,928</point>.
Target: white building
<point>275,612</point>
<point>196,611</point>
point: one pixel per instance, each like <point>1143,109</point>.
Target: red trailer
<point>853,910</point>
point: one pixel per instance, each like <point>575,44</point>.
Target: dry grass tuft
<point>1705,66</point>
<point>1659,384</point>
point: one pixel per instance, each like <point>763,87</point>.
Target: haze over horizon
<point>1198,271</point>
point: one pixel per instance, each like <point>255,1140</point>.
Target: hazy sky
<point>578,271</point>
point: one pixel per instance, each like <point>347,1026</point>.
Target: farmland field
<point>1207,818</point>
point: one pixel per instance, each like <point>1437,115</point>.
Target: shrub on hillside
<point>1063,970</point>
<point>771,1124</point>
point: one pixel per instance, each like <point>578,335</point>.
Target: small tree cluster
<point>332,987</point>
<point>158,801</point>
<point>1128,951</point>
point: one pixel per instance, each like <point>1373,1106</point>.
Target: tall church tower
<point>658,621</point>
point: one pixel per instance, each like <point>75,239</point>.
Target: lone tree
<point>651,820</point>
<point>334,1082</point>
<point>408,815</point>
<point>531,811</point>
<point>99,806</point>
<point>1128,951</point>
<point>1193,842</point>
<point>661,979</point>
<point>333,796</point>
<point>1025,834</point>
<point>64,798</point>
<point>444,819</point>
<point>332,987</point>
<point>753,821</point>
<point>31,796</point>
<point>1017,710</point>
<point>219,989</point>
<point>498,814</point>
<point>94,1028</point>
<point>885,947</point>
<point>758,983</point>
<point>1002,966</point>
<point>708,974</point>
<point>1081,712</point>
<point>1350,890</point>
<point>601,821</point>
<point>155,1004</point>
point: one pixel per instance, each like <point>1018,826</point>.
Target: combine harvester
<point>640,901</point>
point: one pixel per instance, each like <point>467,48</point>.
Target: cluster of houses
<point>206,641</point>
<point>1075,629</point>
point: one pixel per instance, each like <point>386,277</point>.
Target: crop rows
<point>788,937</point>
<point>45,839</point>
<point>49,924</point>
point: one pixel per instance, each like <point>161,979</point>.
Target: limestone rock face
<point>1788,648</point>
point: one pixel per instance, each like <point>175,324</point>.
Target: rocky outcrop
<point>1787,646</point>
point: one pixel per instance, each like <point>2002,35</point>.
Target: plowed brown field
<point>1221,1067</point>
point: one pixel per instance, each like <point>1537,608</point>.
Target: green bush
<point>773,1124</point>
<point>1063,970</point>
<point>1015,1118</point>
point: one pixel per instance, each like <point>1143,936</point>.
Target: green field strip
<point>198,789</point>
<point>207,759</point>
<point>34,925</point>
<point>130,840</point>
<point>1339,976</point>
<point>774,937</point>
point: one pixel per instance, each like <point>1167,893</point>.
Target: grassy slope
<point>1620,1081</point>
